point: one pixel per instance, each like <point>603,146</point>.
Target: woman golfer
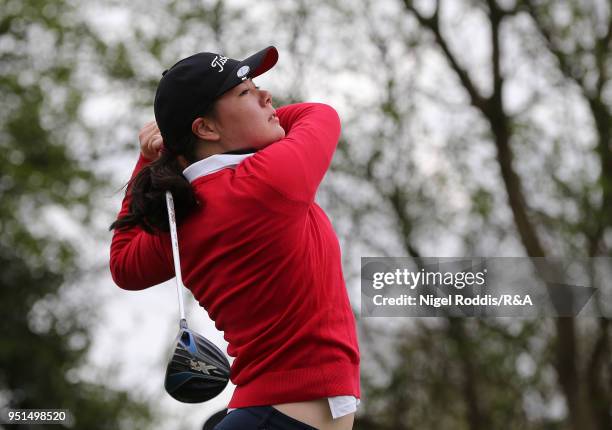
<point>257,252</point>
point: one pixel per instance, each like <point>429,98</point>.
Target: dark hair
<point>148,188</point>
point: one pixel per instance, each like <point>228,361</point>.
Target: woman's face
<point>245,118</point>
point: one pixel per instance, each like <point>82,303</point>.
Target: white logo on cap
<point>243,71</point>
<point>219,60</point>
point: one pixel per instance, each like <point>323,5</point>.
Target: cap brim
<point>261,61</point>
<point>258,63</point>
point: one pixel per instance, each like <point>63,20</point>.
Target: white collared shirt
<point>213,164</point>
<point>339,405</point>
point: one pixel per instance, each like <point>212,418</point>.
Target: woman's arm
<point>137,258</point>
<point>295,165</point>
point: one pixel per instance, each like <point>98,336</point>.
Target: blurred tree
<point>582,50</point>
<point>45,336</point>
<point>535,187</point>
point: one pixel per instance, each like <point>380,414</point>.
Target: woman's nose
<point>266,97</point>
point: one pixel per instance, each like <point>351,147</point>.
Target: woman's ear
<point>205,129</point>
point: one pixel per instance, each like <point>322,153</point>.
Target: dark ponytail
<point>148,190</point>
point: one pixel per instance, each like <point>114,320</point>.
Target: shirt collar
<point>213,164</point>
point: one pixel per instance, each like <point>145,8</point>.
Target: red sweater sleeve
<point>137,258</point>
<point>295,165</point>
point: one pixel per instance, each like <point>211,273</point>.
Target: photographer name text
<point>454,300</point>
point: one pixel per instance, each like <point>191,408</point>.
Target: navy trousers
<point>260,418</point>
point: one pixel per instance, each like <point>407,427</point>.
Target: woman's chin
<point>274,137</point>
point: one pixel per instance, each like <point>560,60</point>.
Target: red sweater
<point>263,259</point>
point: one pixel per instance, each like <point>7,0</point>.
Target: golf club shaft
<point>175,255</point>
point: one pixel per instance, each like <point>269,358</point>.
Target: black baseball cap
<point>189,88</point>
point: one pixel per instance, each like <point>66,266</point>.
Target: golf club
<point>197,370</point>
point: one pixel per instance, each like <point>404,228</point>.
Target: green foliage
<point>44,338</point>
<point>443,366</point>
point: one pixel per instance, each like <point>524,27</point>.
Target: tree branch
<point>492,108</point>
<point>397,199</point>
<point>431,23</point>
<point>603,46</point>
<point>562,58</point>
<point>495,17</point>
<point>600,397</point>
<point>477,418</point>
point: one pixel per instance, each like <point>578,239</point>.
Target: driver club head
<point>197,370</point>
